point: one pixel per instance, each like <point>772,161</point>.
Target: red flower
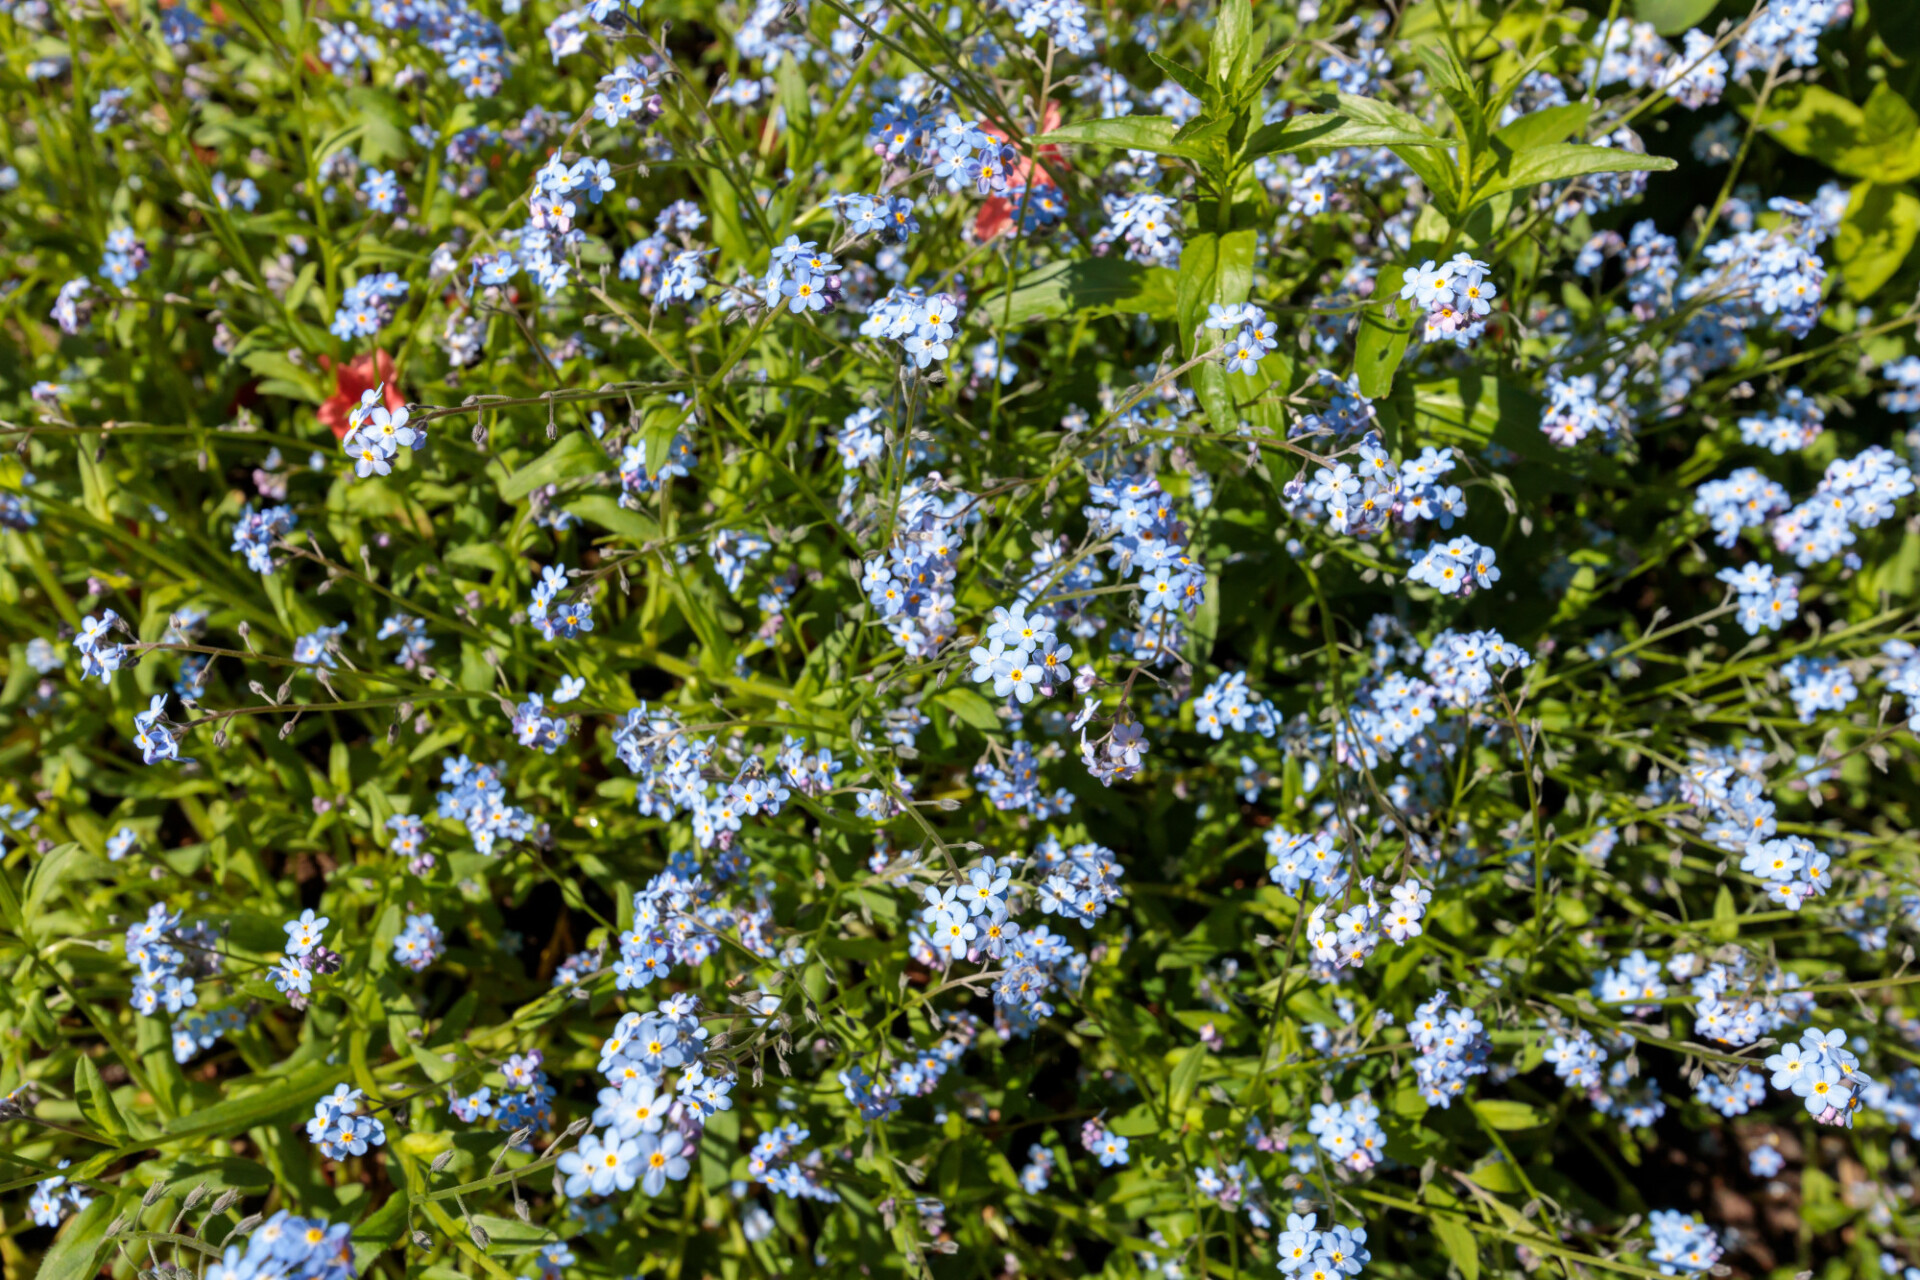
<point>353,379</point>
<point>996,216</point>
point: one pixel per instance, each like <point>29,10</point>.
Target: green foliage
<point>1557,839</point>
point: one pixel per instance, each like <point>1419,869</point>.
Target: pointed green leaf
<point>1671,17</point>
<point>1432,167</point>
<point>1094,286</point>
<point>1456,86</point>
<point>1130,133</point>
<point>270,1099</point>
<point>970,708</point>
<point>1726,917</point>
<point>379,1231</point>
<point>1186,1077</point>
<point>1541,128</point>
<point>1259,77</point>
<point>74,1255</point>
<point>1231,54</point>
<point>658,428</point>
<point>1503,1113</point>
<point>576,454</point>
<point>605,510</point>
<point>1566,160</point>
<point>438,1069</point>
<point>1214,269</point>
<point>1302,132</point>
<point>1186,77</point>
<point>1203,129</point>
<point>55,868</point>
<point>1378,350</point>
<point>1457,1242</point>
<point>96,1104</point>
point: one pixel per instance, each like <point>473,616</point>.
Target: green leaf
<point>1204,128</point>
<point>1231,53</point>
<point>1542,128</point>
<point>220,1173</point>
<point>1089,286</point>
<point>438,1069</point>
<point>1262,73</point>
<point>1378,350</point>
<point>1433,169</point>
<point>383,122</point>
<point>1320,130</point>
<point>1888,119</point>
<point>1474,409</point>
<point>1456,86</point>
<point>1457,1242</point>
<point>1502,1113</point>
<point>10,912</point>
<point>605,510</point>
<point>1130,133</point>
<point>73,1255</point>
<point>1199,263</point>
<point>1817,122</point>
<point>577,454</point>
<point>658,428</point>
<point>1876,235</point>
<point>1186,77</point>
<point>1560,160</point>
<point>510,1235</point>
<point>1186,1076</point>
<point>288,379</point>
<point>1214,269</point>
<point>1671,17</point>
<point>56,866</point>
<point>972,709</point>
<point>1497,1175</point>
<point>1726,917</point>
<point>379,1231</point>
<point>96,1103</point>
<point>272,1098</point>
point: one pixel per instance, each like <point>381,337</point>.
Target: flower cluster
<point>920,323</point>
<point>341,1128</point>
<point>1456,567</point>
<point>1254,335</point>
<point>420,943</point>
<point>1453,1049</point>
<point>1854,493</point>
<point>367,306</point>
<point>1307,1251</point>
<point>375,434</point>
<point>1456,297</point>
<point>168,958</point>
<point>53,1198</point>
<point>1682,1244</point>
<point>1146,223</point>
